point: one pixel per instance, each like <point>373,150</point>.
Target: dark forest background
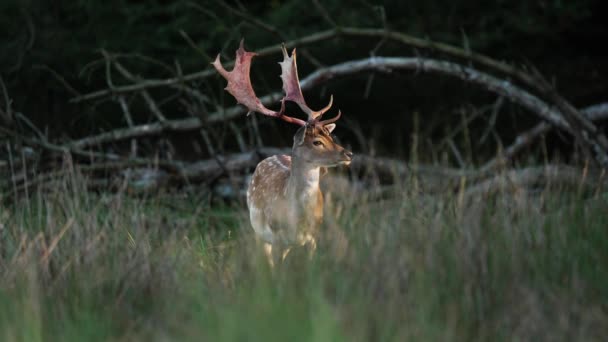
<point>474,208</point>
<point>51,54</point>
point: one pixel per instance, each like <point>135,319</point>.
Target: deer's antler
<point>291,86</point>
<point>239,86</point>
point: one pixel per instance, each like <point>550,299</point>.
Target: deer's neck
<point>303,183</point>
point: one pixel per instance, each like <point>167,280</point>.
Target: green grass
<point>78,266</point>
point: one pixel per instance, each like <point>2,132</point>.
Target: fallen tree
<point>96,157</point>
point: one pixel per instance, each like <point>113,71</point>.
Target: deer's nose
<point>348,154</point>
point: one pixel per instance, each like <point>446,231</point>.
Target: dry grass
<point>511,266</point>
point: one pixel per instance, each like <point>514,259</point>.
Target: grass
<point>80,266</point>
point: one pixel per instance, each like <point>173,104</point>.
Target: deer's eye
<point>317,143</point>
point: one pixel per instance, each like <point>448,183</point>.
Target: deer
<point>284,198</point>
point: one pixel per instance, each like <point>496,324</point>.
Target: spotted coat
<point>279,210</point>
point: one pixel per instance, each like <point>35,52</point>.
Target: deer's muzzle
<point>347,157</point>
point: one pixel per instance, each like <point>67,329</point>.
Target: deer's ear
<point>330,127</point>
<point>298,138</point>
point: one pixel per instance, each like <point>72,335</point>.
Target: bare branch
<point>152,105</point>
<point>324,13</point>
<point>22,118</point>
<point>456,152</point>
<point>521,141</point>
<point>534,176</point>
<point>193,45</point>
<point>208,142</point>
<point>239,136</point>
<point>446,49</point>
<point>6,114</point>
<point>125,109</point>
<point>583,127</point>
<point>269,28</point>
<point>492,121</point>
<point>89,155</point>
<point>144,93</point>
<point>348,32</point>
<point>155,83</point>
<point>138,131</point>
<point>251,19</point>
<point>108,71</point>
<point>379,64</point>
<point>594,113</point>
<point>467,74</point>
<point>59,78</point>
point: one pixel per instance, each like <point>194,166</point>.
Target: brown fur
<point>284,199</point>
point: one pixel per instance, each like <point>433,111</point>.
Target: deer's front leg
<point>268,252</point>
<point>308,241</point>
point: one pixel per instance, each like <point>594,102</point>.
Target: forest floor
<point>515,265</point>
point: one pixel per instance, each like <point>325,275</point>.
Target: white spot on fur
<point>272,196</point>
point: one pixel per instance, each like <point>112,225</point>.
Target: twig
<point>355,128</point>
<point>378,64</point>
<point>456,153</point>
<point>20,117</point>
<point>30,28</point>
<point>29,24</point>
<point>251,19</point>
<point>582,128</point>
<point>59,78</point>
<point>595,113</point>
<point>491,83</point>
<point>125,109</point>
<point>144,93</point>
<point>324,13</point>
<point>7,114</point>
<point>533,176</point>
<point>84,154</point>
<point>153,107</point>
<point>239,136</point>
<point>348,32</point>
<point>492,121</point>
<point>147,59</point>
<point>521,141</point>
<point>12,165</point>
<point>208,142</point>
<point>193,45</point>
<point>259,143</point>
<point>138,131</point>
<point>91,168</point>
<point>462,126</point>
<point>269,28</point>
<point>210,72</point>
<point>446,49</point>
<point>48,251</point>
<point>206,171</point>
<point>108,71</point>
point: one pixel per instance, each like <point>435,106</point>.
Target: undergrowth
<point>83,266</point>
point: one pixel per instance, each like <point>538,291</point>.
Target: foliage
<point>82,266</point>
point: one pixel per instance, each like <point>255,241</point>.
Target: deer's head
<point>315,145</point>
<point>313,142</point>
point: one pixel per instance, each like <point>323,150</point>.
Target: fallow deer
<point>284,199</point>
